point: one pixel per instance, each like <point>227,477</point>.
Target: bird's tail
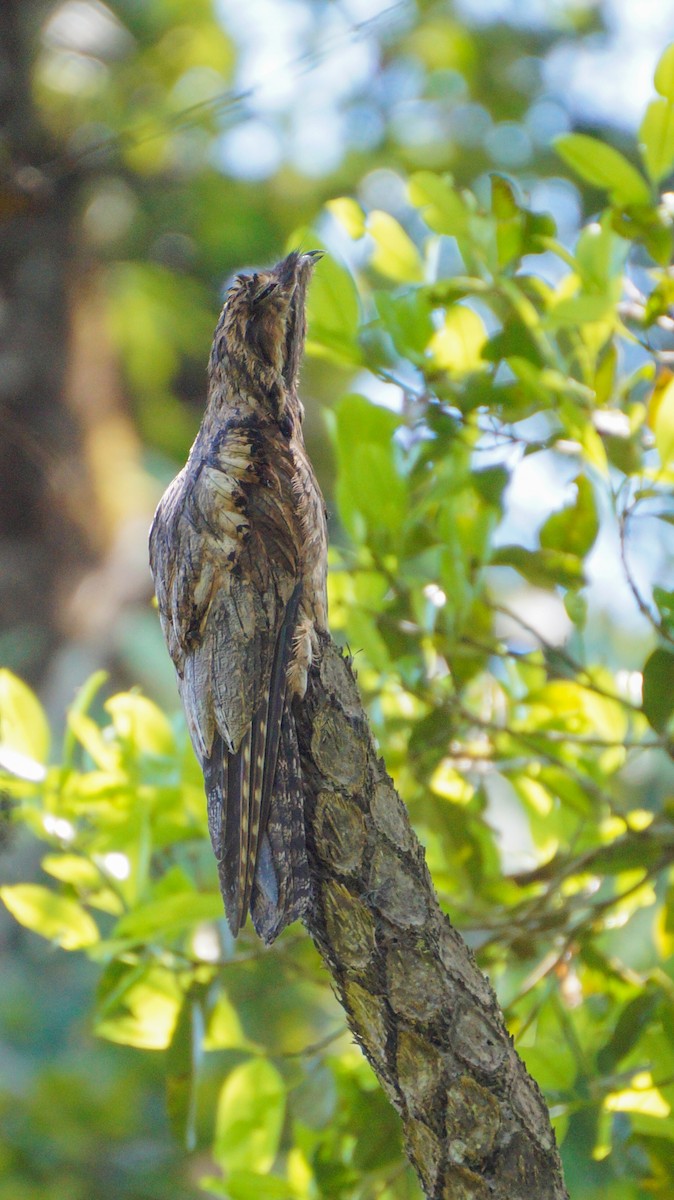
<point>281,887</point>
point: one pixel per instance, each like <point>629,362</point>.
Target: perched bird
<point>238,551</point>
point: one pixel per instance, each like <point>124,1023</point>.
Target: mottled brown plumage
<point>238,550</point>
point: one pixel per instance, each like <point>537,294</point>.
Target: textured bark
<point>475,1123</point>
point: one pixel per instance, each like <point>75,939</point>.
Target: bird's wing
<point>227,549</point>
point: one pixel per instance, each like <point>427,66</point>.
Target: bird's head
<point>259,338</point>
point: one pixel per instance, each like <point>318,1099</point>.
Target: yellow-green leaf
<point>664,74</point>
<point>457,345</point>
<point>54,917</point>
<point>250,1117</point>
<point>332,314</point>
<point>604,167</point>
<point>169,915</point>
<point>656,139</point>
<point>105,754</point>
<point>224,1030</point>
<point>573,528</point>
<point>642,1097</point>
<point>441,206</point>
<point>663,425</point>
<point>143,1009</point>
<point>394,254</point>
<point>349,214</point>
<point>23,724</point>
<point>74,869</point>
<point>139,722</point>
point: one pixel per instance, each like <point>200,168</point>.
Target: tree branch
<point>475,1124</point>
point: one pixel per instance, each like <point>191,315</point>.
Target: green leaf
<point>224,1030</point>
<point>23,724</point>
<point>663,425</point>
<point>627,854</point>
<point>332,314</point>
<point>349,214</point>
<point>141,725</point>
<point>601,257</point>
<point>138,1005</point>
<point>658,688</point>
<point>407,318</point>
<point>74,869</point>
<point>656,139</point>
<point>509,222</point>
<point>665,602</point>
<point>664,74</point>
<point>169,916</point>
<point>441,206</point>
<point>604,167</point>
<point>545,568</point>
<point>580,310</point>
<point>250,1116</point>
<point>514,340</point>
<point>371,492</point>
<point>457,345</point>
<point>490,483</point>
<point>551,1064</point>
<point>250,1185</point>
<point>182,1063</point>
<point>574,528</point>
<point>380,495</point>
<point>54,917</point>
<point>80,707</point>
<point>395,254</point>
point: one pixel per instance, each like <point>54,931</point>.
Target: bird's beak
<point>316,255</point>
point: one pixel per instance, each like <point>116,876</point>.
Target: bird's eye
<point>266,291</point>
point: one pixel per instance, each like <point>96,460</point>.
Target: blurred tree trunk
<point>43,488</point>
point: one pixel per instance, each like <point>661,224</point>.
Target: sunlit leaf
<point>663,424</point>
<point>54,917</point>
<point>104,753</point>
<point>441,206</point>
<point>457,345</point>
<point>581,310</point>
<point>349,214</point>
<point>664,74</point>
<point>169,915</point>
<point>656,138</point>
<point>72,868</point>
<point>141,724</point>
<point>641,1099</point>
<point>224,1030</point>
<point>23,724</point>
<point>395,256</point>
<point>139,1006</point>
<point>251,1185</point>
<point>250,1116</point>
<point>604,167</point>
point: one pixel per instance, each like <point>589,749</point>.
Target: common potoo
<point>238,550</point>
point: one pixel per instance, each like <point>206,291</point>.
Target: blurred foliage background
<point>490,412</point>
